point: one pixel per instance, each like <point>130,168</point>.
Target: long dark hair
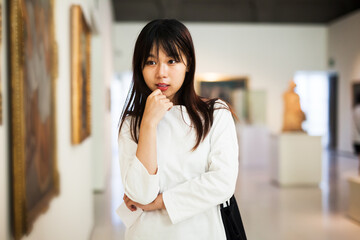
<point>174,38</point>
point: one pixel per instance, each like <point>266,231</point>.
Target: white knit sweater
<point>193,183</point>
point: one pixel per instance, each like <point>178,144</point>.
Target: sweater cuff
<point>142,187</point>
<point>138,166</point>
<point>170,207</point>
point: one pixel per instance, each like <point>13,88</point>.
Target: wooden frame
<point>33,71</point>
<point>80,76</point>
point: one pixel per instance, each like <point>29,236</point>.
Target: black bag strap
<point>231,217</point>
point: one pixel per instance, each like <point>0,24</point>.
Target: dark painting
<point>33,72</point>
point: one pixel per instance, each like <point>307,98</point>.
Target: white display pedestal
<point>296,159</point>
<point>354,198</point>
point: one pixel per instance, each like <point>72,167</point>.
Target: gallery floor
<point>269,212</point>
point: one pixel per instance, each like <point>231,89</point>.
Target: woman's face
<point>164,73</point>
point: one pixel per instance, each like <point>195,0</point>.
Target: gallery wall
<point>4,172</point>
<point>268,54</point>
<point>71,213</point>
<point>344,49</point>
<point>102,74</point>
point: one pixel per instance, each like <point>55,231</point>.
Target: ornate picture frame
<point>80,76</point>
<point>33,73</point>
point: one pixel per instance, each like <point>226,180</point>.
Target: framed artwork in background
<point>233,90</point>
<point>33,73</point>
<point>80,76</point>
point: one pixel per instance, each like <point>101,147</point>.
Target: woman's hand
<point>156,106</point>
<point>157,204</point>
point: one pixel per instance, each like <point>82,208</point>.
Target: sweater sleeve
<point>139,185</point>
<point>218,183</point>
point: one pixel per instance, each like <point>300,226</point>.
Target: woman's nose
<point>162,70</point>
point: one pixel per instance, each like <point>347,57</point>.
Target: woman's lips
<point>162,86</point>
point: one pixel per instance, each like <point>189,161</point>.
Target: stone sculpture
<point>293,115</point>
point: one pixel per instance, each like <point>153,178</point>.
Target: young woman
<point>178,151</point>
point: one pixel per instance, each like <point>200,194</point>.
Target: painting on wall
<point>33,72</point>
<point>80,76</point>
<point>231,90</point>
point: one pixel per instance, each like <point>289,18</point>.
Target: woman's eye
<point>172,61</point>
<point>150,63</point>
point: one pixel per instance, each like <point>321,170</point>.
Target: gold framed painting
<point>80,76</point>
<point>33,72</point>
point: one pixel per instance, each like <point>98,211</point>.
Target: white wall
<point>71,213</point>
<point>344,48</point>
<point>268,54</point>
<point>4,153</point>
<point>102,73</point>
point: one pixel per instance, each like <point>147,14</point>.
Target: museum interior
<point>289,69</point>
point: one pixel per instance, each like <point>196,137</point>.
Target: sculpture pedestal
<point>354,198</point>
<point>296,159</point>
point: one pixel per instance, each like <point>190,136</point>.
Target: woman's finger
<point>126,198</point>
<point>130,206</point>
<point>156,92</point>
<point>169,105</point>
<point>165,100</point>
<point>129,203</point>
<point>160,97</point>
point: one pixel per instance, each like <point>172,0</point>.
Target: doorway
<point>318,99</point>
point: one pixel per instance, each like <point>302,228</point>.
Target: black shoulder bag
<point>233,224</point>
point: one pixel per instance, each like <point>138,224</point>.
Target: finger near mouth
<point>162,87</point>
